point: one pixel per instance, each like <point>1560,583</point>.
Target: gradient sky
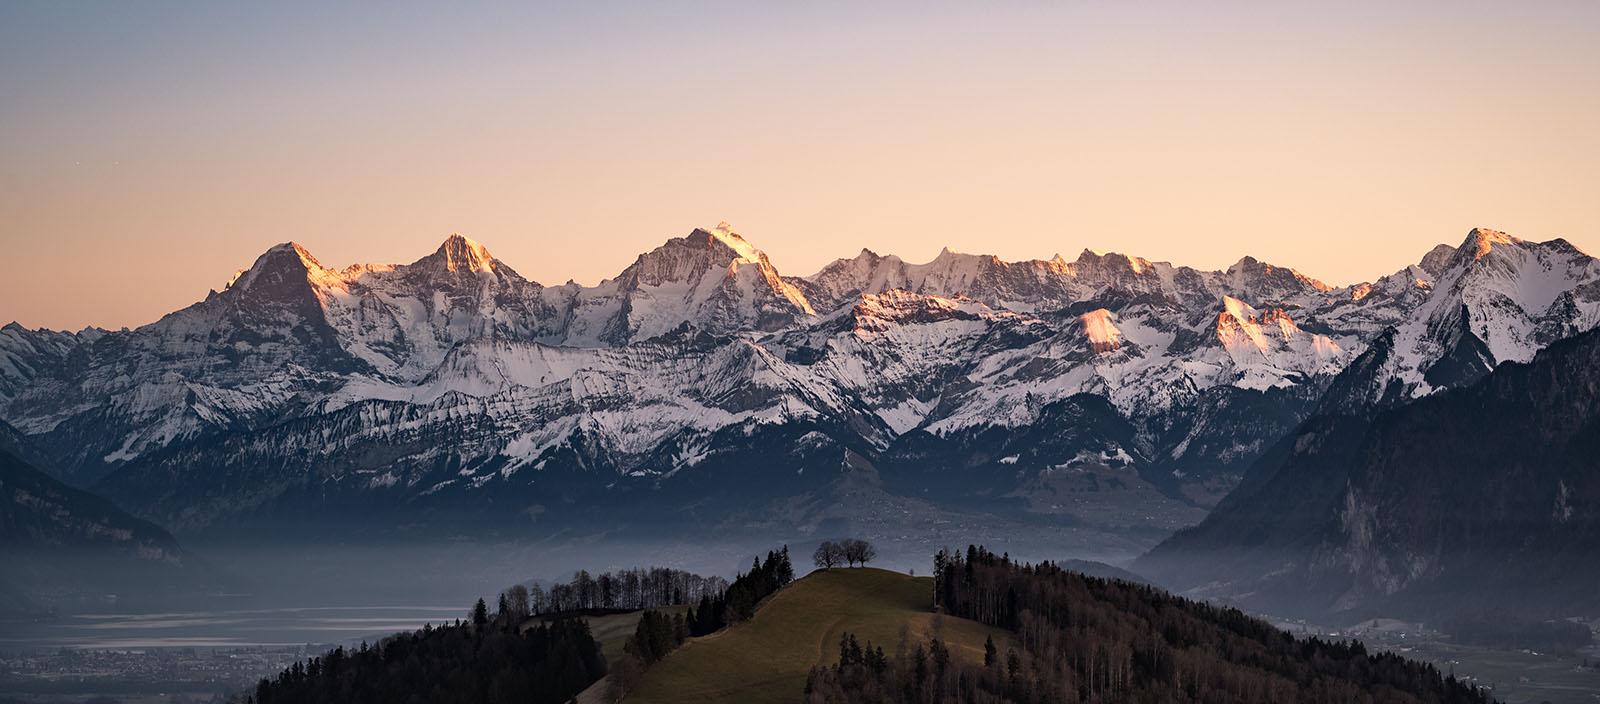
<point>149,150</point>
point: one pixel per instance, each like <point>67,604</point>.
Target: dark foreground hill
<point>1484,499</point>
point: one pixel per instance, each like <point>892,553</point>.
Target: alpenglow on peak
<point>459,253</point>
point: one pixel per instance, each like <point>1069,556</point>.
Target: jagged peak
<point>720,245</point>
<point>1437,259</point>
<point>1091,257</point>
<point>290,246</point>
<point>723,234</point>
<point>283,250</point>
<point>1481,241</point>
<point>1248,265</point>
<point>866,256</point>
<point>277,258</point>
<point>948,257</point>
<point>458,253</point>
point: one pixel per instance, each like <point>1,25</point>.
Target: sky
<point>148,150</point>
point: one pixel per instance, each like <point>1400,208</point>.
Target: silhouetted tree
<point>857,551</point>
<point>517,600</point>
<point>828,555</point>
<point>480,614</point>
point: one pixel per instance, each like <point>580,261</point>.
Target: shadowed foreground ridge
<point>1096,640</point>
<point>1480,498</point>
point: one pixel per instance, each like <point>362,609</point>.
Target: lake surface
<point>330,625</point>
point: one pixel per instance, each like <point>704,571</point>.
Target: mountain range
<point>701,386</point>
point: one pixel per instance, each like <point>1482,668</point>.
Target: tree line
<point>924,674</point>
<point>1086,639</point>
<point>462,663</point>
<point>496,655</point>
<point>1500,629</point>
<point>620,590</point>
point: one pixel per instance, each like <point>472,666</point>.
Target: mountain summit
<point>459,254</point>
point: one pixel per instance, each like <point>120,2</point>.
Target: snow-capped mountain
<point>1496,299</point>
<point>453,376</point>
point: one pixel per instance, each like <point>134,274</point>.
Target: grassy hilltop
<point>766,659</point>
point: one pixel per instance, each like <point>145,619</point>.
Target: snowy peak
<point>687,258</point>
<point>459,254</point>
<point>711,280</point>
<point>284,267</point>
<point>724,235</point>
<point>1481,241</point>
<point>1112,263</point>
<point>1529,275</point>
<point>1251,274</point>
<point>1495,299</point>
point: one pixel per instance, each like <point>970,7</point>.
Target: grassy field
<point>766,659</point>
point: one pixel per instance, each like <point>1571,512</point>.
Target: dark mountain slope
<point>1485,497</point>
<point>64,547</point>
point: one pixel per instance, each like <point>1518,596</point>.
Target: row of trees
<point>622,590</point>
<point>1096,640</point>
<point>849,552</point>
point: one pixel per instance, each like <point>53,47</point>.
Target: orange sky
<point>146,153</point>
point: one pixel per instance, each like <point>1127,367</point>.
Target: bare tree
<point>828,555</point>
<point>537,603</point>
<point>584,589</point>
<point>858,551</point>
<point>517,602</point>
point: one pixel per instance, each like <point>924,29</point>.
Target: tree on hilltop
<point>828,555</point>
<point>857,551</point>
